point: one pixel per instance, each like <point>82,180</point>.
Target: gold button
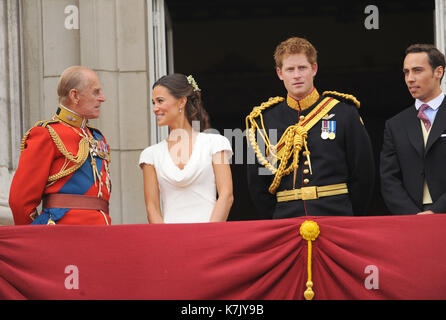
<point>306,171</point>
<point>306,181</point>
<point>306,163</point>
<point>301,117</point>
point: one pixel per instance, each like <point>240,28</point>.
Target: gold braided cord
<point>293,139</point>
<point>250,132</point>
<point>257,112</point>
<point>78,160</point>
<point>260,157</point>
<point>22,145</point>
<point>294,136</point>
<point>345,96</point>
<point>64,173</point>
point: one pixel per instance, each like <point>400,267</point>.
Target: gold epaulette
<point>348,98</point>
<point>257,111</point>
<point>41,123</point>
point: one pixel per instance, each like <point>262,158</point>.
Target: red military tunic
<point>65,157</point>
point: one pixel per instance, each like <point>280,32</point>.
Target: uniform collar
<point>304,103</point>
<point>70,117</point>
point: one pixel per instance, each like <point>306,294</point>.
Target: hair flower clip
<point>193,83</point>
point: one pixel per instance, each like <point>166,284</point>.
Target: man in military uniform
<point>64,161</point>
<point>322,164</point>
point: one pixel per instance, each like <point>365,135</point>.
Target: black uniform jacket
<point>346,159</point>
<point>405,162</point>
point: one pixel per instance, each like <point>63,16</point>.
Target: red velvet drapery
<point>388,257</point>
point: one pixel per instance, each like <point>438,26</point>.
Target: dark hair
<point>436,58</point>
<point>178,86</point>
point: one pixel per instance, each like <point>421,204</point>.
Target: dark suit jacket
<point>406,163</point>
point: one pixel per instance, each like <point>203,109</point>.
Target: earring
<point>181,109</point>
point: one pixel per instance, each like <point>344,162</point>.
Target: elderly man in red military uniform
<point>64,161</point>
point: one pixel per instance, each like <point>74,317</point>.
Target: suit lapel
<point>438,127</point>
<point>413,129</point>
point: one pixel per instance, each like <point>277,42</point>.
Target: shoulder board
<point>256,111</point>
<point>346,98</point>
<point>44,123</point>
<point>271,102</point>
<point>41,123</point>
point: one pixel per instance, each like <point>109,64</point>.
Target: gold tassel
<point>309,231</point>
<point>96,174</point>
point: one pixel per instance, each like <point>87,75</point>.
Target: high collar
<point>70,117</point>
<point>304,103</point>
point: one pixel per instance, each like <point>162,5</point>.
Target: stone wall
<point>11,99</point>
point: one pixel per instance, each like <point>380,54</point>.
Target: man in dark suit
<point>413,157</point>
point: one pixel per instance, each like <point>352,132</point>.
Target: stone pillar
<point>11,99</point>
<point>113,42</point>
<point>440,32</point>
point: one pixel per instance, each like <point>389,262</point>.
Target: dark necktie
<point>422,116</point>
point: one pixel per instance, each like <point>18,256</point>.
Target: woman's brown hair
<point>178,86</point>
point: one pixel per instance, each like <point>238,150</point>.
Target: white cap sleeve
<point>146,156</point>
<point>221,143</point>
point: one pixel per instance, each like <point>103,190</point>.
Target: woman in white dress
<point>190,167</point>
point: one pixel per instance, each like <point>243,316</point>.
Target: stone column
<point>11,99</point>
<point>113,42</point>
<point>440,32</point>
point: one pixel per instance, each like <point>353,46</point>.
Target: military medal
<point>51,222</point>
<point>332,133</point>
<point>324,133</point>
